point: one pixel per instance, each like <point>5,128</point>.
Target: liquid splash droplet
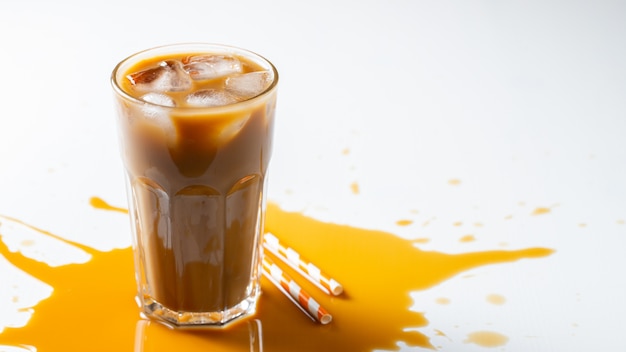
<point>487,339</point>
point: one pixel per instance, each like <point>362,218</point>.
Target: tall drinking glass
<point>195,125</point>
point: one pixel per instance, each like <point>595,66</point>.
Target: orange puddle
<point>92,307</point>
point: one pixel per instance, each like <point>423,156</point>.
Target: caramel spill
<point>442,300</point>
<point>404,222</point>
<point>92,306</point>
<point>487,339</point>
<point>427,222</point>
<point>99,203</point>
<point>496,299</point>
<point>467,238</point>
<point>354,187</point>
<point>540,211</point>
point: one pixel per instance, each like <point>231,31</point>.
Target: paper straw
<point>292,290</point>
<point>301,265</point>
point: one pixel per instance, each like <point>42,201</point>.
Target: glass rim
<point>200,47</point>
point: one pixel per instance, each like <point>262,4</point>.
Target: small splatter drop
<point>27,243</point>
<point>508,217</point>
<point>621,222</point>
<point>454,182</point>
<point>582,225</point>
<point>496,299</point>
<point>427,222</point>
<point>404,222</point>
<point>442,300</point>
<point>355,188</point>
<point>467,238</point>
<point>478,224</point>
<point>99,203</point>
<point>487,339</point>
<point>345,151</point>
<point>439,333</point>
<point>540,211</point>
<point>458,223</point>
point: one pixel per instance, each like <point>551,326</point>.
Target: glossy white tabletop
<point>473,112</point>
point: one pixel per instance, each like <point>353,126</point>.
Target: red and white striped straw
<point>297,295</point>
<point>301,265</point>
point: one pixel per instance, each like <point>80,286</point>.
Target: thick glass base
<point>153,309</point>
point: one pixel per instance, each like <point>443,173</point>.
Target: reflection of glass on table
<point>153,336</point>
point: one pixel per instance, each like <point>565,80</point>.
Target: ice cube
<point>201,67</point>
<point>157,114</point>
<point>248,85</point>
<point>210,97</point>
<point>159,99</point>
<point>233,128</point>
<point>158,118</point>
<point>168,76</point>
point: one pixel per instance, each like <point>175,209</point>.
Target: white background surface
<point>522,101</point>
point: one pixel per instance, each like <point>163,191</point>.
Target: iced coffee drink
<point>196,126</point>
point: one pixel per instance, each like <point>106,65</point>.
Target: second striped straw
<point>301,265</point>
<point>299,296</point>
